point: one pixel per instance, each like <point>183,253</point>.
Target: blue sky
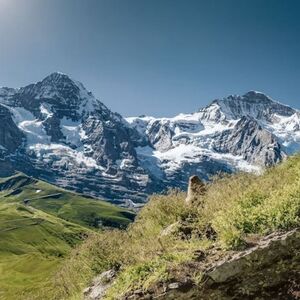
<point>155,57</point>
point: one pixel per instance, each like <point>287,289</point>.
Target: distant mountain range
<point>58,131</point>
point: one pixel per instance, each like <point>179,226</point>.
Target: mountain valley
<point>40,224</point>
<point>64,156</point>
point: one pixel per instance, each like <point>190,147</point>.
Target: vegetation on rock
<point>168,236</point>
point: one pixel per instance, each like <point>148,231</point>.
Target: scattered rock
<point>170,230</point>
<point>199,255</point>
<point>181,229</point>
<point>174,285</point>
<point>268,270</point>
<point>138,292</point>
<point>99,285</point>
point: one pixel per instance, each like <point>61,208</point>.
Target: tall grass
<point>235,208</point>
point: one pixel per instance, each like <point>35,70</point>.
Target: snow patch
<point>175,158</point>
<point>32,127</point>
<point>149,161</point>
<point>72,131</point>
<point>46,110</point>
<point>63,156</point>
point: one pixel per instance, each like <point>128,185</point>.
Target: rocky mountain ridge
<point>234,133</point>
<point>58,131</point>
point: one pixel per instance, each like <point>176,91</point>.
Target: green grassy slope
<point>62,203</point>
<point>32,245</point>
<point>167,235</point>
<point>37,235</point>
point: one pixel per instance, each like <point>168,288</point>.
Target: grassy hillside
<point>39,226</point>
<point>32,245</point>
<point>167,235</point>
<point>64,204</point>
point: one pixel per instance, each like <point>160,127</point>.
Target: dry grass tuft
<point>235,210</point>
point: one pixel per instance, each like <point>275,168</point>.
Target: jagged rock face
<point>60,95</point>
<point>160,135</point>
<point>58,131</point>
<point>11,136</point>
<point>235,133</point>
<point>252,104</point>
<point>110,142</point>
<point>251,141</point>
<point>74,140</point>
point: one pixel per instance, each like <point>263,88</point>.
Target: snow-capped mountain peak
<point>245,132</point>
<point>61,92</point>
<point>66,134</point>
<point>57,130</point>
<point>252,104</point>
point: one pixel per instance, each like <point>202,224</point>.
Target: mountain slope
<point>39,225</point>
<point>32,245</point>
<point>239,239</point>
<point>70,206</point>
<point>58,131</point>
<point>235,133</point>
<point>73,140</point>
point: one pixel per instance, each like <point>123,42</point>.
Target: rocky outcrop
<point>251,141</point>
<point>11,137</point>
<point>160,135</point>
<point>253,104</point>
<point>99,285</point>
<point>268,270</point>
